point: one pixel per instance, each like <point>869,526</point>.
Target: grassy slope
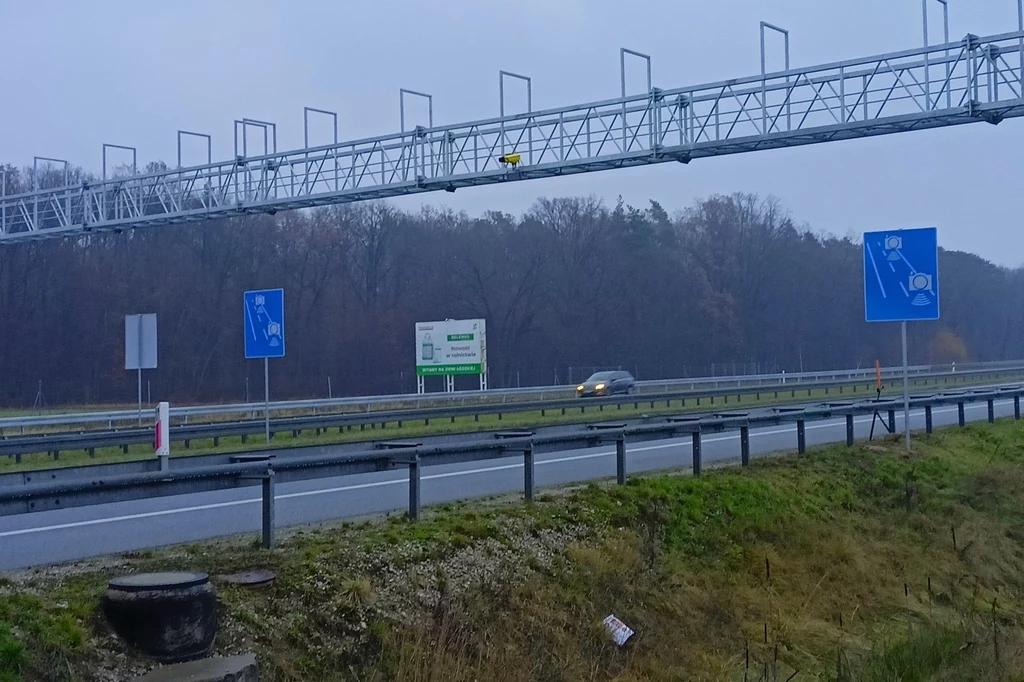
<point>416,429</point>
<point>766,560</point>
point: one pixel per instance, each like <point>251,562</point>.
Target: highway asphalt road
<point>69,534</point>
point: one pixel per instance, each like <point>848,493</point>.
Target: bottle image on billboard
<point>428,347</point>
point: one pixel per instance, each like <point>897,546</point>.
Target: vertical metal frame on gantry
<point>133,150</point>
<point>413,155</point>
<point>202,136</point>
<point>623,52</point>
<point>502,75</point>
<point>248,184</point>
<point>120,201</point>
<point>945,41</point>
<point>54,201</point>
<point>402,92</point>
<point>765,26</point>
<point>306,111</point>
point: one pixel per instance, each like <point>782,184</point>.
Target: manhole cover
<point>158,581</point>
<point>257,576</point>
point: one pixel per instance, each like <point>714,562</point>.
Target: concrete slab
<point>218,669</point>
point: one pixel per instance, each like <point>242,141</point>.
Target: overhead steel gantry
<point>975,79</point>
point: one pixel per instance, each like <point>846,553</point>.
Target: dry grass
<point>818,566</point>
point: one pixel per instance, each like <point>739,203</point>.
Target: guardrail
<point>33,496</point>
<point>185,414</point>
<point>55,443</point>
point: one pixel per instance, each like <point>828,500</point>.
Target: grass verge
<point>646,405</point>
<point>845,564</point>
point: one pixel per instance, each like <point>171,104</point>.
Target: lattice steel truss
<point>975,79</point>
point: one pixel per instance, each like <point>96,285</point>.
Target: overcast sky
<point>79,73</point>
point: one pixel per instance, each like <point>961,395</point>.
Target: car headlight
<point>579,388</point>
<point>599,387</point>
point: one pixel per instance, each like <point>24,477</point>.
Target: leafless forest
<point>572,285</point>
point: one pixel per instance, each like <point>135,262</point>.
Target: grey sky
<point>131,72</point>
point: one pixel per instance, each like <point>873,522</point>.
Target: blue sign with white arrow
<point>901,275</point>
<point>264,323</point>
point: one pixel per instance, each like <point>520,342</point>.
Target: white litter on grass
<point>620,631</point>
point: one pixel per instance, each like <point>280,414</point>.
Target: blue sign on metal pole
<point>901,275</point>
<point>264,323</point>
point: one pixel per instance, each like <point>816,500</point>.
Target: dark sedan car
<point>607,383</point>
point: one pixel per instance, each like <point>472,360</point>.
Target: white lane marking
<point>450,474</point>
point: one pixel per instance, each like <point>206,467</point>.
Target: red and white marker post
<point>162,436</point>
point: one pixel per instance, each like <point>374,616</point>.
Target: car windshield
<point>601,376</point>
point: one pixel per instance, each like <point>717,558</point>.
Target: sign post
<point>140,346</point>
<point>264,336</point>
<point>901,284</point>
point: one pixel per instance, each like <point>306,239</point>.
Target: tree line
<point>569,287</point>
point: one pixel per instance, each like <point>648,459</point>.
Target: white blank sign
<point>140,341</point>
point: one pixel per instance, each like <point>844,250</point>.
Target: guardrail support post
<point>414,488</point>
<point>268,509</point>
<point>620,460</point>
<point>892,421</point>
<point>696,452</point>
<point>528,472</point>
<point>991,411</point>
<point>1016,407</point>
<point>801,437</point>
<point>745,445</point>
<point>960,413</point>
<point>928,419</point>
<point>849,430</point>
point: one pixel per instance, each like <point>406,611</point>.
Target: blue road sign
<point>901,275</point>
<point>264,323</point>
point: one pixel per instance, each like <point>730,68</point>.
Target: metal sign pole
<point>906,388</point>
<point>266,397</point>
<point>140,370</point>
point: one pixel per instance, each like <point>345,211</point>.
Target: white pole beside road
<point>266,397</point>
<point>906,388</point>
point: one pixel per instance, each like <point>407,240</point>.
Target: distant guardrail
<point>41,491</point>
<point>90,440</point>
<point>192,413</point>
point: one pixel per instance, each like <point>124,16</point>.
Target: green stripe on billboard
<point>447,370</point>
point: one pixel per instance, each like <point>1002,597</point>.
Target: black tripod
<point>875,416</point>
